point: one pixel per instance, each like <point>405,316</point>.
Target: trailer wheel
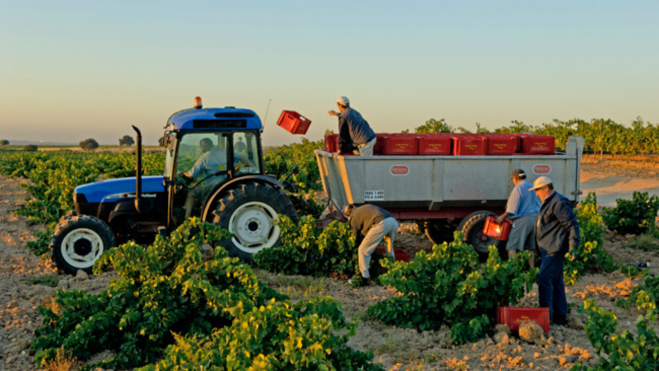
<point>78,241</point>
<point>439,231</point>
<point>249,212</point>
<point>472,230</point>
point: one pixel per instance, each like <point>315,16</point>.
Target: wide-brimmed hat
<point>541,182</point>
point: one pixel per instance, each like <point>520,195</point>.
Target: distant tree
<point>30,147</point>
<point>89,144</point>
<point>4,142</point>
<point>126,140</point>
<point>434,126</point>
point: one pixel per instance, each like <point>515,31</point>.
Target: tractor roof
<point>214,119</point>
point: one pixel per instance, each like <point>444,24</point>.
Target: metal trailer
<point>444,193</point>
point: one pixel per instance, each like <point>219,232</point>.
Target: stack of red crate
<point>501,144</point>
<point>435,144</point>
<point>469,145</point>
<point>401,144</point>
<point>537,144</point>
<point>462,144</point>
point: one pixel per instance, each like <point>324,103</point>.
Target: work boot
<point>560,320</point>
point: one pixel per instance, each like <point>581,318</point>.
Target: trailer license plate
<point>374,195</point>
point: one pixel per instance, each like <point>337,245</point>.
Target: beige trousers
<point>385,230</point>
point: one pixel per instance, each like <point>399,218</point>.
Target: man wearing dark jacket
<point>354,131</point>
<point>556,234</point>
<point>370,225</point>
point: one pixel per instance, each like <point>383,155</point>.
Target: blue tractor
<point>214,170</point>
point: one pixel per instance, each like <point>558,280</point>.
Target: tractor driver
<point>209,163</point>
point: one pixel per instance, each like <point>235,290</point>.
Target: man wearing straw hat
<point>556,234</point>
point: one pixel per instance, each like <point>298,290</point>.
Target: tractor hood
<point>122,188</point>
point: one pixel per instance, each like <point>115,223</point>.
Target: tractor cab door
<point>202,161</point>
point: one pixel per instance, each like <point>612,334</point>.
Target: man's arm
<point>512,206</point>
<point>567,217</point>
<point>245,161</point>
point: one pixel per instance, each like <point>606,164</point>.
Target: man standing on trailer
<point>353,129</point>
<point>370,225</point>
<point>522,210</point>
<point>556,234</point>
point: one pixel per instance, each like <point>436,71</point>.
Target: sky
<point>71,70</point>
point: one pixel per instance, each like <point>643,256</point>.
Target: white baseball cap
<point>540,182</point>
<point>344,101</point>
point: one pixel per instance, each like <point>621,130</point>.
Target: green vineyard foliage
<point>591,255</point>
<point>635,216</point>
<point>450,286</point>
<point>169,297</point>
<point>307,250</point>
<point>53,176</point>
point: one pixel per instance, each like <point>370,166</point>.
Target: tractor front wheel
<point>249,212</point>
<point>78,242</point>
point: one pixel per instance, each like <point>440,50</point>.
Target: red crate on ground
<point>538,144</point>
<point>378,148</point>
<point>293,122</point>
<point>500,144</point>
<point>515,316</point>
<point>401,255</point>
<point>435,144</point>
<point>401,144</point>
<point>331,142</point>
<point>469,145</point>
<point>498,231</point>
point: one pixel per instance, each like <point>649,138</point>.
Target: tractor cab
<point>213,170</point>
<point>206,148</point>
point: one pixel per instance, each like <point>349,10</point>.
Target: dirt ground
<point>619,178</point>
<point>22,276</point>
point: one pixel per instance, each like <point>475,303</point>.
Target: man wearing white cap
<point>353,129</point>
<point>556,234</point>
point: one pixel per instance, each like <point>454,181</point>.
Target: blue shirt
<point>522,201</point>
<point>353,128</point>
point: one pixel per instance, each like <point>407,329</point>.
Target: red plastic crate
<point>435,144</point>
<point>538,144</point>
<point>401,255</point>
<point>401,144</point>
<point>498,231</point>
<point>331,142</point>
<point>293,122</point>
<point>500,144</point>
<point>469,145</point>
<point>515,316</point>
<point>378,148</point>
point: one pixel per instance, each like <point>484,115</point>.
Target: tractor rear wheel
<point>472,230</point>
<point>439,231</point>
<point>78,241</point>
<point>249,212</point>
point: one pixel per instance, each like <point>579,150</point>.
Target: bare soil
<point>396,348</point>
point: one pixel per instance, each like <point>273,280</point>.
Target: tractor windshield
<point>202,155</point>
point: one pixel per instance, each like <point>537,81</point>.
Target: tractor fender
<point>218,192</point>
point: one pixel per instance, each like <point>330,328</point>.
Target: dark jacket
<point>353,129</point>
<point>363,218</point>
<point>557,229</point>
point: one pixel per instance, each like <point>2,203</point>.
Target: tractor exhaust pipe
<point>138,175</point>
